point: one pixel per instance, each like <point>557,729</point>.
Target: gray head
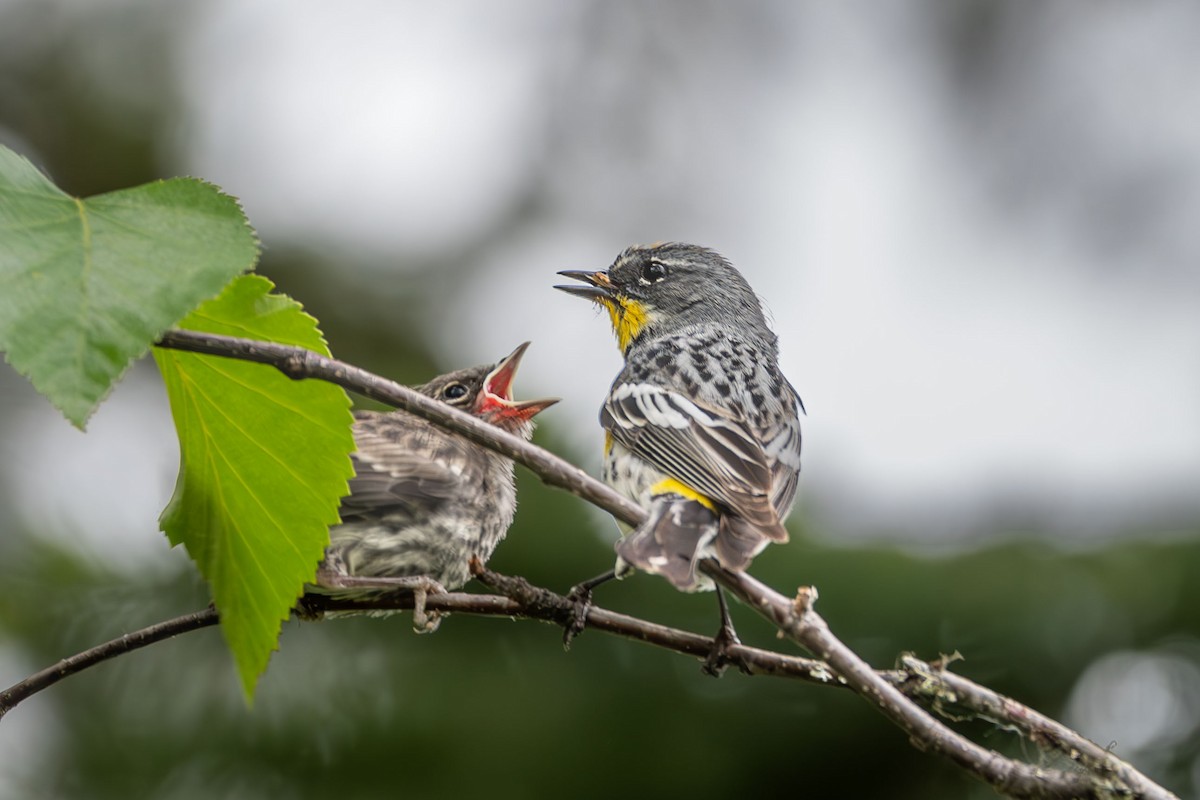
<point>486,392</point>
<point>654,289</point>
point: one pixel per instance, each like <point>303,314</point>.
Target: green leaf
<point>86,286</point>
<point>263,463</point>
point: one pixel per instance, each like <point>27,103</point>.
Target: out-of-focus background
<point>976,226</point>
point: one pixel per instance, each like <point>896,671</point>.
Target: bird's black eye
<point>653,272</point>
<point>454,391</point>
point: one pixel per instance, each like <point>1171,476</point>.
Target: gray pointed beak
<point>597,288</point>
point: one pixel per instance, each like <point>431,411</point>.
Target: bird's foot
<point>425,621</point>
<point>421,587</point>
<point>580,598</point>
<point>722,655</point>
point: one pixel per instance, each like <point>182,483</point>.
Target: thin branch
<point>796,619</point>
<point>945,690</point>
<point>102,652</point>
<point>298,363</point>
<point>523,600</point>
<point>799,622</point>
<point>527,601</point>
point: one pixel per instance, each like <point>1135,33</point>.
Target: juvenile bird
<point>423,501</point>
<point>702,428</point>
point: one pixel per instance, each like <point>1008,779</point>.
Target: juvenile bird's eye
<point>654,271</point>
<point>454,391</point>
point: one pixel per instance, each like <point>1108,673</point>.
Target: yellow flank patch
<point>608,441</point>
<point>628,318</point>
<point>672,486</point>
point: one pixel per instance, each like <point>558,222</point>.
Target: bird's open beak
<point>497,390</point>
<point>599,288</point>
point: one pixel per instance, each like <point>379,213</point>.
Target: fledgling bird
<point>702,428</point>
<point>423,501</point>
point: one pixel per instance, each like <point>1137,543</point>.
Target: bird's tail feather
<point>672,541</point>
<point>680,532</point>
<point>739,541</point>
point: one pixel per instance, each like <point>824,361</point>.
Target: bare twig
<point>945,690</point>
<point>103,652</point>
<point>520,600</point>
<point>797,619</point>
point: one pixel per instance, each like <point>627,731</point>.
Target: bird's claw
<point>425,621</point>
<point>721,655</point>
<point>580,598</point>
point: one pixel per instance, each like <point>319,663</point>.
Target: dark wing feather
<point>701,447</point>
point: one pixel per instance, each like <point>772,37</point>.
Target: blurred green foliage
<point>363,707</point>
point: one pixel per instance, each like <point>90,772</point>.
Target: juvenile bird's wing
<point>395,470</point>
<point>702,447</point>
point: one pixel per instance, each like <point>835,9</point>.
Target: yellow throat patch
<point>628,319</point>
